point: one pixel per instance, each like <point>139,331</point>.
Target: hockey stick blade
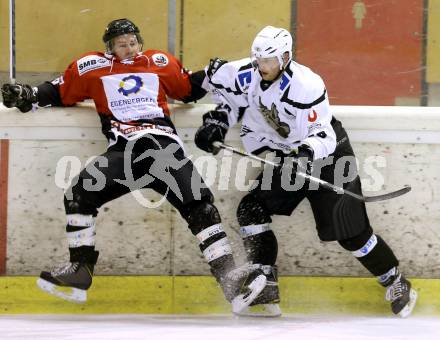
<point>327,185</point>
<point>388,196</point>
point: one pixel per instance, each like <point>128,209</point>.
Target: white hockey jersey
<point>293,110</point>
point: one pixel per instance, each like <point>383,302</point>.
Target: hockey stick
<point>324,184</point>
<point>12,42</point>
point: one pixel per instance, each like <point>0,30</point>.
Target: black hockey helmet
<point>119,27</point>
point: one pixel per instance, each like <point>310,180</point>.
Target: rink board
<point>201,295</point>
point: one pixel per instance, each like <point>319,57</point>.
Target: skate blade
<point>406,311</point>
<point>67,293</point>
<point>267,310</point>
<point>240,302</point>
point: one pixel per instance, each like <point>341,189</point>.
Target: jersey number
<point>245,78</point>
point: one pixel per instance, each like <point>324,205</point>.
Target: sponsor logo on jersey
<point>130,85</point>
<point>132,96</point>
<point>131,101</point>
<point>282,146</point>
<point>90,63</point>
<point>312,116</point>
<point>160,59</point>
<point>313,127</point>
<point>128,129</point>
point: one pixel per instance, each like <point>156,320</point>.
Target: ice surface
<point>180,327</point>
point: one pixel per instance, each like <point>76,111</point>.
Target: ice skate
<point>266,310</point>
<point>267,303</point>
<point>399,292</point>
<point>69,282</point>
<point>247,281</point>
<point>251,289</point>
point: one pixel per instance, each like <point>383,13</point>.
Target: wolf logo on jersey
<point>273,119</point>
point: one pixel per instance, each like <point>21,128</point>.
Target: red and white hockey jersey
<point>130,96</point>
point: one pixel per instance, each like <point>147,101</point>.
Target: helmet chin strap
<point>282,68</point>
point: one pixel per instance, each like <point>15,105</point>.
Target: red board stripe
<point>4,162</point>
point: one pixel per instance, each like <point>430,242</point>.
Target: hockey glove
<point>214,65</point>
<point>21,96</point>
<point>214,128</point>
<point>304,155</point>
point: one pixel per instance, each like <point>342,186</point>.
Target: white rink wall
<point>136,240</point>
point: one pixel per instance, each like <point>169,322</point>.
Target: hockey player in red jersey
<point>130,89</point>
<point>283,107</point>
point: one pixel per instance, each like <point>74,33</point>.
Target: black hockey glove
<point>214,128</point>
<point>304,155</point>
<point>21,96</point>
<point>214,65</point>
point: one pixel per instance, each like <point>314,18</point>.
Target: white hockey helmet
<point>272,42</point>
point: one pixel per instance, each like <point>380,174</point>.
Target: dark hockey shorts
<point>337,217</point>
<point>152,162</point>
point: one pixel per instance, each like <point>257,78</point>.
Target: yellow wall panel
<point>433,48</point>
<point>4,35</point>
<point>227,28</point>
<point>201,295</point>
<point>53,33</point>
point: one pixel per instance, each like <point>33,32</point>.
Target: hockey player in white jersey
<point>283,107</point>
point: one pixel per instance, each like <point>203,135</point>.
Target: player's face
<point>269,68</point>
<point>125,46</point>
